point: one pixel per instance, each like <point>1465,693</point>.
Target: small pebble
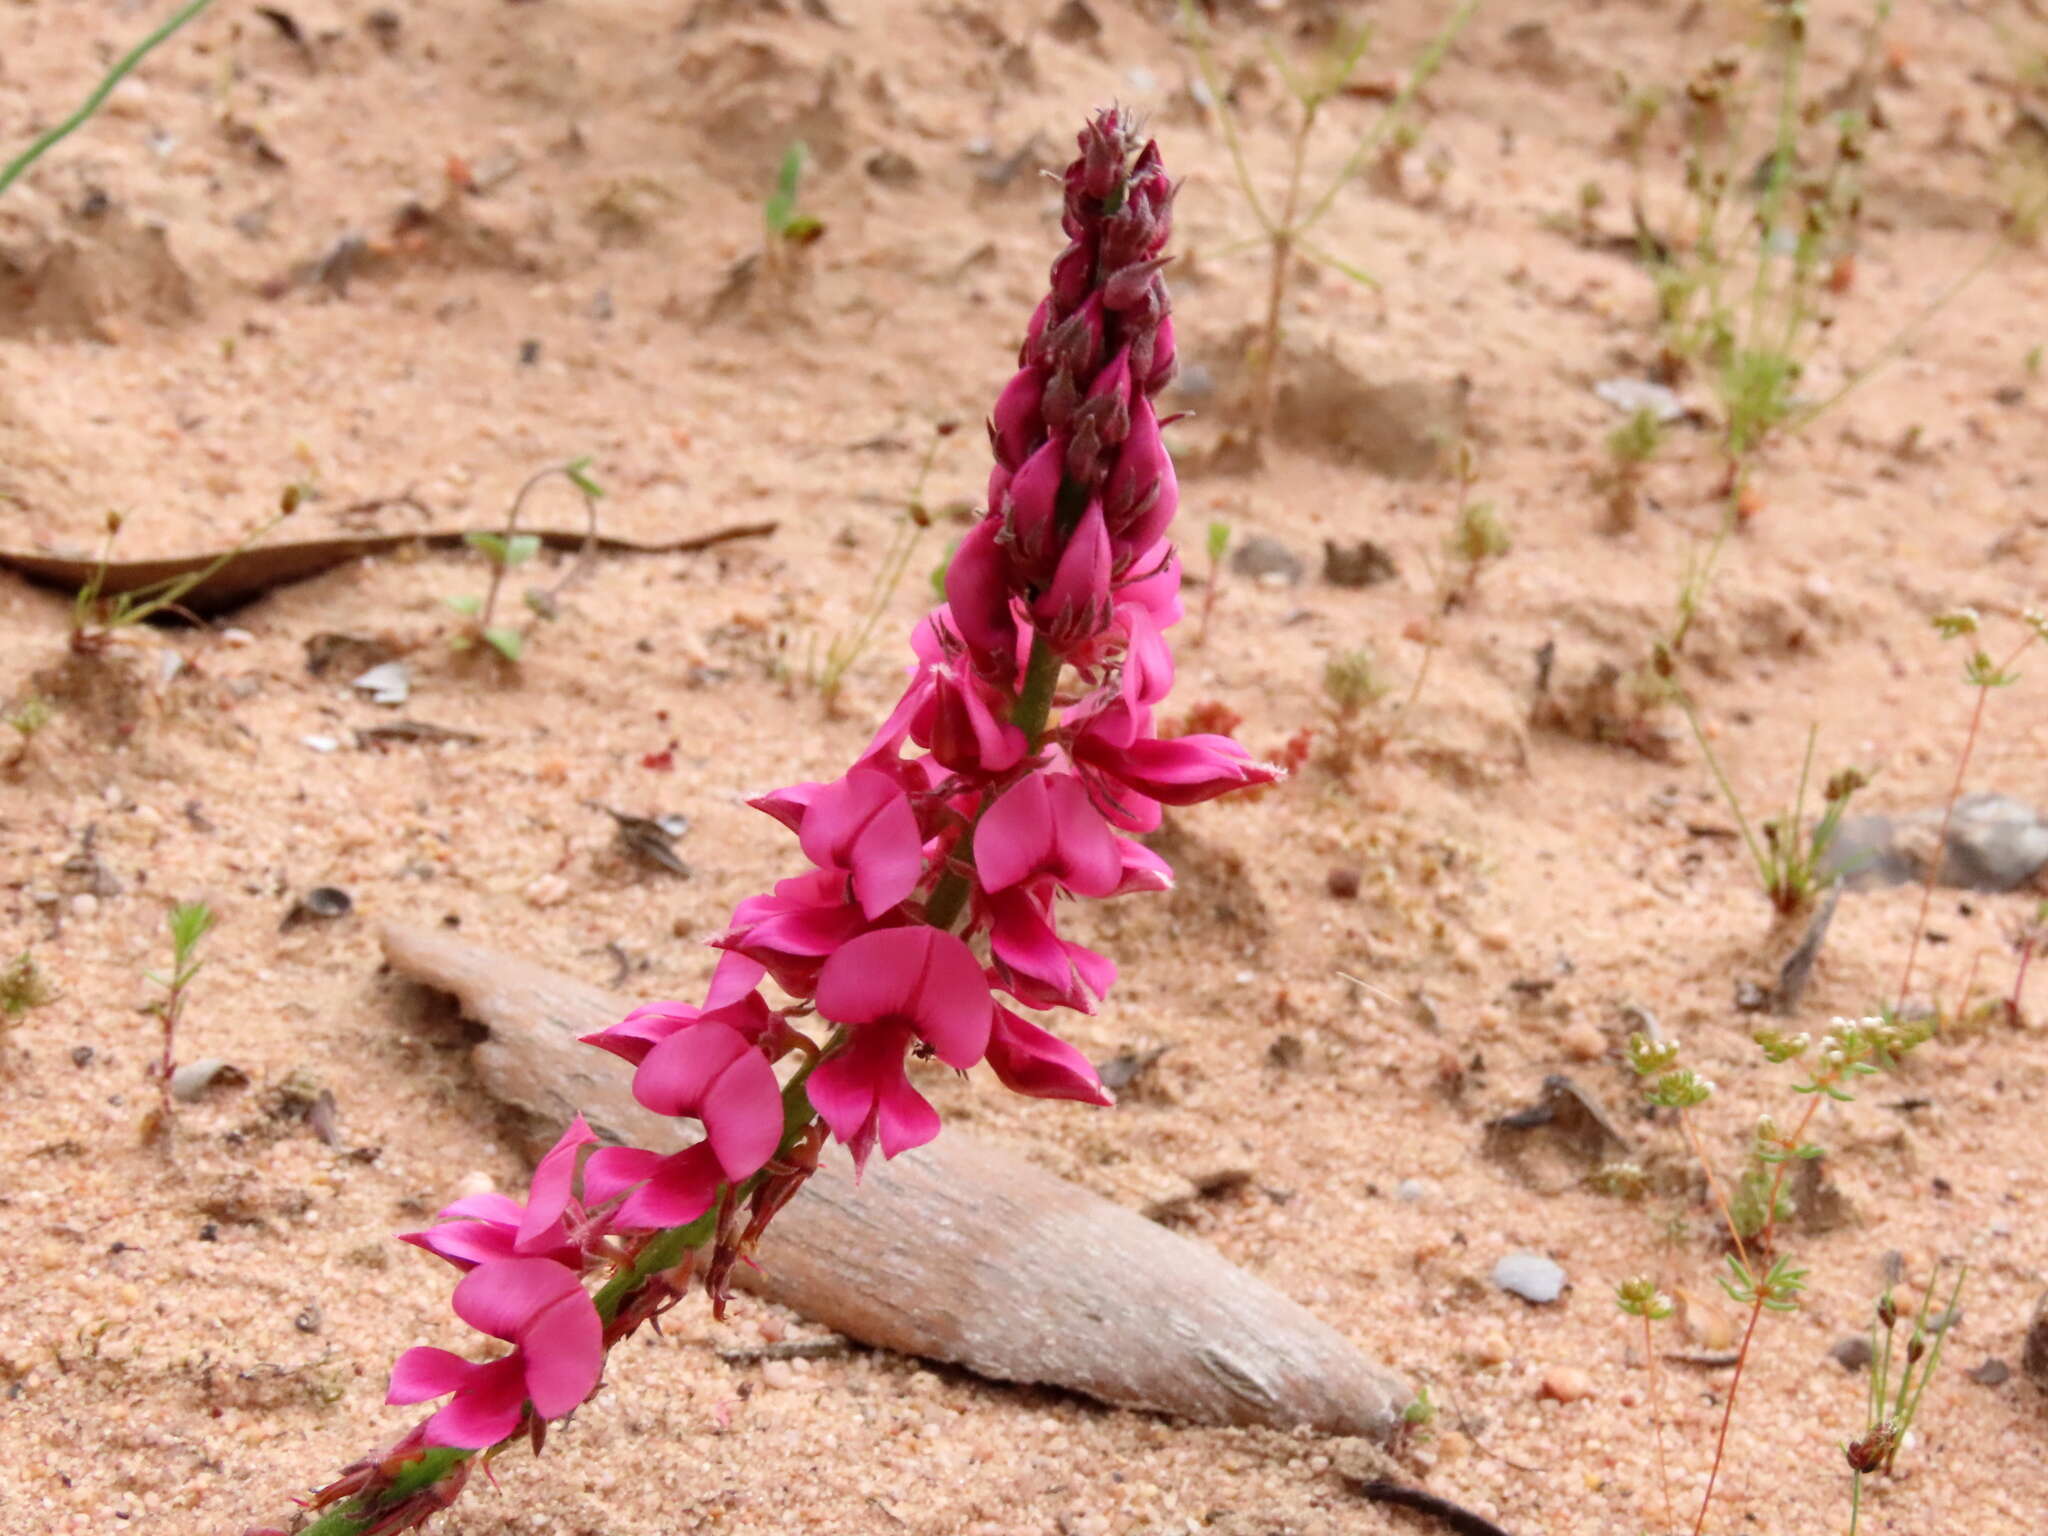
<point>1262,556</point>
<point>1414,1191</point>
<point>320,743</point>
<point>777,1374</point>
<point>1530,1276</point>
<point>475,1182</point>
<point>1565,1384</point>
<point>237,639</point>
<point>1583,1041</point>
<point>547,891</point>
<point>1343,883</point>
<point>85,905</point>
<point>1851,1353</point>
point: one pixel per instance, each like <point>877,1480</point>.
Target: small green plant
<point>189,922</point>
<point>1216,544</point>
<point>1790,857</point>
<point>1352,684</point>
<point>1421,1410</point>
<point>787,224</point>
<point>1894,1405</point>
<point>1758,1278</point>
<point>848,645</point>
<point>27,720</point>
<point>100,618</point>
<point>23,989</point>
<point>1286,230</point>
<point>1631,446</point>
<point>508,549</point>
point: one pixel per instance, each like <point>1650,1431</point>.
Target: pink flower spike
<point>863,1095</point>
<point>959,725</point>
<point>864,824</point>
<point>924,980</point>
<point>715,1073</point>
<point>1045,825</point>
<point>1034,1062</point>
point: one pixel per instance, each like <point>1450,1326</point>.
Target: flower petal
<point>554,1179</point>
<point>563,1348</point>
<point>743,1119</point>
<point>500,1297</point>
<point>679,1072</point>
<point>1033,1061</point>
<point>423,1373</point>
<point>485,1412</point>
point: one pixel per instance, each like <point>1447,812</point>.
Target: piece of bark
<point>957,1251</point>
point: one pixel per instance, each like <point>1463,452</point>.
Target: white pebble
<point>85,905</point>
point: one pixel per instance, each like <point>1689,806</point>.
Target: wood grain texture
<point>958,1251</point>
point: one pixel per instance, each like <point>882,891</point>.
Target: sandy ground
<point>186,1344</point>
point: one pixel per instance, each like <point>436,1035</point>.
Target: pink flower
<point>1183,771</point>
<point>790,932</point>
<point>1142,493</point>
<point>479,1228</point>
<point>864,824</point>
<point>978,600</point>
<point>1075,604</point>
<point>647,1026</point>
<point>1029,509</point>
<point>892,988</point>
<point>715,1073</point>
<point>541,1309</point>
<point>1038,967</point>
<point>1044,824</point>
<point>1031,1061</point>
<point>1016,427</point>
<point>957,721</point>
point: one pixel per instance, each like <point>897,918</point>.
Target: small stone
<point>1852,1354</point>
<point>2034,1361</point>
<point>475,1182</point>
<point>777,1374</point>
<point>1628,396</point>
<point>1414,1191</point>
<point>81,1055</point>
<point>1564,1384</point>
<point>1261,556</point>
<point>190,1082</point>
<point>1491,1350</point>
<point>389,682</point>
<point>891,168</point>
<point>237,639</point>
<point>320,743</point>
<point>85,905</point>
<point>1343,883</point>
<point>1363,564</point>
<point>547,891</point>
<point>1583,1041</point>
<point>1994,1372</point>
<point>1530,1276</point>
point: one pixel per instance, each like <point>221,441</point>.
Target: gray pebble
<point>1530,1276</point>
<point>1414,1191</point>
<point>1261,556</point>
<point>1852,1354</point>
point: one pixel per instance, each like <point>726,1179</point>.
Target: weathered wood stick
<point>956,1252</point>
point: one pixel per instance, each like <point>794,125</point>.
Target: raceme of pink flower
<point>1022,747</point>
<point>541,1309</point>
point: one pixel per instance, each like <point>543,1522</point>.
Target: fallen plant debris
<point>262,568</point>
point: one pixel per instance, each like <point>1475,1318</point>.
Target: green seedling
<point>787,225</point>
<point>1630,446</point>
<point>27,720</point>
<point>1286,230</point>
<point>1352,684</point>
<point>23,989</point>
<point>848,645</point>
<point>508,549</point>
<point>189,921</point>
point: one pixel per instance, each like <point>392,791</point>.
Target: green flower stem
<point>661,1253</point>
<point>92,103</point>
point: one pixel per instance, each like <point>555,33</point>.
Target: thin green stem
<point>1749,839</point>
<point>92,103</point>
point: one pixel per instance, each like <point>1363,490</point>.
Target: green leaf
<point>470,604</point>
<point>508,643</point>
<point>578,471</point>
<point>1219,540</point>
<point>492,545</point>
<point>521,547</point>
<point>190,922</point>
<point>780,209</point>
<point>1357,274</point>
